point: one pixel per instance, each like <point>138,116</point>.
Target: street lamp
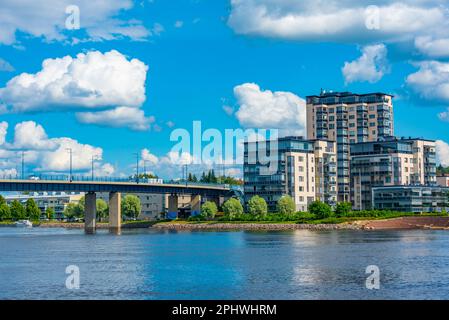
<point>70,151</point>
<point>94,157</point>
<point>137,166</point>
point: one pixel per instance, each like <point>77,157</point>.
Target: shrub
<point>233,208</point>
<point>320,209</point>
<point>343,209</point>
<point>257,206</point>
<point>286,205</point>
<point>209,209</point>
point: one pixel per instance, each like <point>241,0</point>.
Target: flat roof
<point>348,94</point>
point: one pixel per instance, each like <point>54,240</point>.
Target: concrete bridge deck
<point>115,189</point>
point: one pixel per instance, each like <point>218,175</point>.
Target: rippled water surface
<point>149,264</point>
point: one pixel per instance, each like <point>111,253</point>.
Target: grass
<point>306,218</point>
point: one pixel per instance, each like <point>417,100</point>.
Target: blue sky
<point>197,52</point>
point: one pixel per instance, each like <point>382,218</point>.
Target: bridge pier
<point>172,207</point>
<point>195,203</point>
<point>90,212</point>
<point>115,212</point>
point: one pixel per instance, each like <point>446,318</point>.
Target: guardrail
<point>66,178</point>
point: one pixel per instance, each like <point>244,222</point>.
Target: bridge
<point>198,192</point>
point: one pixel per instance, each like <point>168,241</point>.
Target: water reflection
<point>149,264</point>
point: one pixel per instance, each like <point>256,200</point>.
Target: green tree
<point>32,210</point>
<point>320,209</point>
<point>50,213</point>
<point>232,208</point>
<point>17,210</point>
<point>102,209</point>
<point>2,200</point>
<point>343,209</point>
<point>131,206</point>
<point>286,205</point>
<point>209,209</point>
<point>5,212</point>
<point>257,206</point>
<point>74,210</point>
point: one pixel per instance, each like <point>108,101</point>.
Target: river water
<point>151,264</point>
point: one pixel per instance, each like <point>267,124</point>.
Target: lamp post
<point>70,151</point>
<point>137,166</point>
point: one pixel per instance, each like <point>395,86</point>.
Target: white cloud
<point>46,154</point>
<point>5,66</point>
<point>442,153</point>
<point>179,24</point>
<point>371,66</point>
<point>30,135</point>
<point>270,110</point>
<point>100,20</point>
<point>431,81</point>
<point>89,81</point>
<point>342,21</point>
<point>228,110</point>
<point>8,172</point>
<point>103,170</point>
<point>147,156</point>
<point>435,48</point>
<point>3,131</point>
<point>444,116</point>
<point>119,117</point>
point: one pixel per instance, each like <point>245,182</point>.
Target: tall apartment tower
<point>304,169</point>
<point>391,162</point>
<point>349,118</point>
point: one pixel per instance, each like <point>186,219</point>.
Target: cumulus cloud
<point>343,21</point>
<point>3,131</point>
<point>99,20</point>
<point>133,118</point>
<point>433,47</point>
<point>264,109</point>
<point>431,81</point>
<point>371,66</point>
<point>89,81</point>
<point>30,135</point>
<point>442,149</point>
<point>46,154</point>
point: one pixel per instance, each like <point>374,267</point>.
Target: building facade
<point>417,199</point>
<point>349,118</point>
<point>390,162</point>
<point>58,201</point>
<point>443,181</point>
<point>152,205</point>
<point>304,169</point>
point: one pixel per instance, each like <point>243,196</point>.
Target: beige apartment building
<point>391,162</point>
<point>348,118</point>
<point>305,170</point>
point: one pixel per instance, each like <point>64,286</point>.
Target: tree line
<point>210,177</point>
<point>131,208</point>
<point>17,211</point>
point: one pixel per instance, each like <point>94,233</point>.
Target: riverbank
<point>402,223</point>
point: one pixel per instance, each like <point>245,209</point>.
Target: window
<point>301,169</point>
<point>372,116</point>
<point>372,124</point>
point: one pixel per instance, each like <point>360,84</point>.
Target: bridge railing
<point>74,178</point>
